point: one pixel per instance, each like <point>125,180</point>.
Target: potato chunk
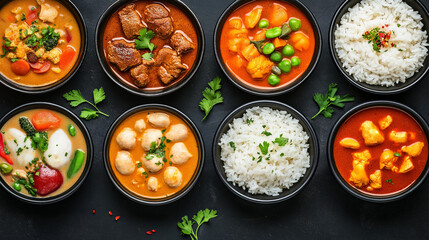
<point>407,165</point>
<point>414,149</point>
<point>358,175</point>
<point>385,122</point>
<point>398,137</point>
<point>371,134</point>
<point>375,179</point>
<point>350,143</point>
<point>259,67</point>
<point>252,18</point>
<point>387,159</point>
<point>250,52</point>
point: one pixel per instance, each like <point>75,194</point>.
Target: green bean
<point>273,32</point>
<point>285,66</point>
<point>276,57</point>
<point>273,80</point>
<point>16,186</point>
<point>264,23</point>
<point>288,50</point>
<point>295,61</point>
<point>76,163</point>
<point>295,24</point>
<point>72,130</point>
<point>6,168</point>
<point>268,48</point>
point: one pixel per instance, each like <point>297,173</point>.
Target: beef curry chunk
<point>180,43</point>
<point>130,20</point>
<point>170,65</point>
<point>140,74</point>
<point>158,19</point>
<point>123,54</point>
<point>32,57</point>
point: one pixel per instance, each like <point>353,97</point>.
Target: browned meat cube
<point>140,74</point>
<point>158,19</point>
<point>123,54</point>
<point>130,20</point>
<point>170,65</point>
<point>32,57</point>
<point>181,43</point>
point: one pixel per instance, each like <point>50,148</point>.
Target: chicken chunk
<point>179,153</point>
<point>149,136</point>
<point>414,149</point>
<point>177,132</point>
<point>130,21</point>
<point>123,54</point>
<point>375,179</point>
<point>358,175</point>
<point>181,43</point>
<point>170,65</point>
<point>387,159</point>
<point>48,13</point>
<point>159,119</point>
<point>407,165</point>
<point>385,122</point>
<point>140,125</point>
<point>172,177</point>
<point>140,74</point>
<point>371,134</point>
<point>126,139</point>
<point>398,137</point>
<point>259,67</point>
<point>158,19</point>
<point>350,143</point>
<point>152,163</point>
<point>124,163</point>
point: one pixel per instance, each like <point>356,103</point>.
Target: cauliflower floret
<point>11,55</point>
<point>40,52</point>
<point>54,55</point>
<point>21,50</point>
<point>259,67</point>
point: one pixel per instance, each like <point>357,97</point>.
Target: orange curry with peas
<point>247,31</point>
<point>380,150</point>
<point>40,41</point>
<point>137,180</point>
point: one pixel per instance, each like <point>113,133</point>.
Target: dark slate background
<point>323,210</point>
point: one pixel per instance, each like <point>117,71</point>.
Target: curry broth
<point>78,142</point>
<point>187,169</point>
<point>401,122</point>
<point>64,17</point>
<point>182,23</point>
<point>267,5</point>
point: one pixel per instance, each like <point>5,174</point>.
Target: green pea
<point>273,80</point>
<point>295,61</point>
<point>268,48</point>
<point>285,66</point>
<point>273,32</point>
<point>6,168</point>
<point>288,50</point>
<point>276,70</point>
<point>295,24</point>
<point>72,130</point>
<point>276,57</point>
<point>264,23</point>
<point>17,186</point>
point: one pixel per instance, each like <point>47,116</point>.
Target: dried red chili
<point>110,213</point>
<point>2,151</point>
<point>149,233</point>
<point>153,230</point>
<point>117,218</point>
<point>93,211</point>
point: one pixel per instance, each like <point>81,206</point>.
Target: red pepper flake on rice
<point>378,38</point>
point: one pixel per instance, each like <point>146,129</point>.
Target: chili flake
<point>110,213</point>
<point>149,233</point>
<point>378,38</point>
<point>93,211</point>
<point>117,218</point>
<point>153,230</point>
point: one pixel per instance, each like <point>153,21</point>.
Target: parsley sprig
<point>212,96</point>
<point>186,225</point>
<point>143,42</point>
<point>75,98</point>
<point>328,100</point>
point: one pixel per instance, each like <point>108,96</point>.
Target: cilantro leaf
<point>99,95</point>
<point>232,144</point>
<point>75,98</point>
<point>212,96</point>
<point>281,141</point>
<point>330,98</point>
<point>88,114</point>
<point>186,225</point>
<point>143,41</point>
<point>148,56</point>
<point>266,133</point>
<point>264,147</point>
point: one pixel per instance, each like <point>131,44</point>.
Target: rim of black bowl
<point>129,194</point>
<point>376,89</point>
<point>348,187</point>
<point>280,90</point>
<point>99,31</point>
<point>89,154</point>
<point>286,193</point>
<point>61,82</point>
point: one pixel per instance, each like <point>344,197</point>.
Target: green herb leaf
<point>148,56</point>
<point>88,114</point>
<point>264,147</point>
<point>186,225</point>
<point>325,101</point>
<point>281,141</point>
<point>266,133</point>
<point>143,41</point>
<point>99,95</point>
<point>396,154</point>
<point>212,96</point>
<point>249,121</point>
<point>75,98</point>
<point>232,144</point>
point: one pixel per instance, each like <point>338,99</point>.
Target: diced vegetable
<point>295,24</point>
<point>273,80</point>
<point>268,48</point>
<point>249,52</point>
<point>259,67</point>
<point>279,15</point>
<point>264,23</point>
<point>20,67</point>
<point>276,57</point>
<point>68,36</point>
<point>17,186</point>
<point>3,151</point>
<point>259,35</point>
<point>36,65</point>
<point>67,57</point>
<point>300,41</point>
<point>26,125</point>
<point>44,120</point>
<point>235,23</point>
<point>252,18</point>
<point>31,16</point>
<point>46,66</point>
<point>76,163</point>
<point>295,61</point>
<point>6,168</point>
<point>72,130</point>
<point>288,51</point>
<point>285,66</point>
<point>278,42</point>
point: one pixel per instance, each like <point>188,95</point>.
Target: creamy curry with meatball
<point>40,41</point>
<point>154,154</point>
<point>380,150</point>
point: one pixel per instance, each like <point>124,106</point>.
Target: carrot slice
<point>31,16</point>
<point>36,65</point>
<point>46,66</point>
<point>279,42</point>
<point>67,57</point>
<point>44,120</point>
<point>20,67</point>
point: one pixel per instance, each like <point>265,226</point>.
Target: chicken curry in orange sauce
<point>154,154</point>
<point>150,45</point>
<point>380,150</point>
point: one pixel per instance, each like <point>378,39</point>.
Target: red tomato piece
<point>20,67</point>
<point>44,120</point>
<point>46,66</point>
<point>31,16</point>
<point>67,57</point>
<point>68,36</point>
<point>47,181</point>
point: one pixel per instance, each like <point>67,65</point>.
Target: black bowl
<point>81,56</point>
<point>99,32</point>
<point>89,146</point>
<point>348,187</point>
<point>398,88</point>
<point>124,190</point>
<point>287,193</point>
<point>277,90</point>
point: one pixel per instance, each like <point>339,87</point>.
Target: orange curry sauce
<point>391,182</point>
<point>267,6</point>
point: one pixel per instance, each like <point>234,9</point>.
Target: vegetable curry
<point>40,42</point>
<point>380,150</point>
<point>267,43</point>
<point>154,154</point>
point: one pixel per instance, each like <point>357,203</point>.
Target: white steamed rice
<point>286,164</point>
<point>384,68</point>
